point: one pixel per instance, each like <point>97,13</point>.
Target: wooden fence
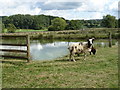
<point>27,45</point>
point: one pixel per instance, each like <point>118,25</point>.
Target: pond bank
<point>98,33</point>
<point>99,71</point>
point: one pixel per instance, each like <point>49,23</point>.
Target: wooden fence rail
<point>27,45</point>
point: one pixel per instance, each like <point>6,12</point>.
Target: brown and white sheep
<point>82,47</point>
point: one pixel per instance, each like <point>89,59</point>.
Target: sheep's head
<point>90,41</point>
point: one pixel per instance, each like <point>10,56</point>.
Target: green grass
<point>99,71</point>
<point>29,30</point>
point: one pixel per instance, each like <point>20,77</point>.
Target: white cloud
<point>92,5</point>
<point>88,9</point>
<point>114,6</point>
<point>97,15</point>
<point>61,13</point>
<point>50,1</point>
<point>82,8</point>
<point>10,7</point>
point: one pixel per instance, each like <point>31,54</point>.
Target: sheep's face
<point>90,41</point>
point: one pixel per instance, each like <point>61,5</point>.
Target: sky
<point>68,9</point>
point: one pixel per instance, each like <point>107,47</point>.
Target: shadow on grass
<point>62,60</point>
<point>16,63</point>
<point>67,60</point>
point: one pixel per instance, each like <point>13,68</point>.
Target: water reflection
<point>48,51</point>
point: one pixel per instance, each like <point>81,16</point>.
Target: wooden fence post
<point>28,47</point>
<point>110,39</point>
<point>68,38</point>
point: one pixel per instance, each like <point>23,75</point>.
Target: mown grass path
<point>99,71</point>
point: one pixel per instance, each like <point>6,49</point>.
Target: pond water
<point>49,50</point>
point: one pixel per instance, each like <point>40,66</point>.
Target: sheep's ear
<point>80,43</point>
<point>93,38</point>
<point>87,39</point>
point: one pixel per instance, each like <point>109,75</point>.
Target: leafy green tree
<point>57,24</point>
<point>96,23</point>
<point>51,28</point>
<point>109,21</point>
<point>74,25</point>
<point>119,23</point>
<point>3,28</point>
<point>116,24</point>
<point>28,21</point>
<point>37,26</point>
<point>42,21</point>
<point>11,28</point>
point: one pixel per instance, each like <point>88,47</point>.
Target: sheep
<point>82,47</point>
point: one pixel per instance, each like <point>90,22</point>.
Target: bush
<point>51,28</point>
<point>38,27</point>
<point>57,24</point>
<point>74,25</point>
<point>11,28</point>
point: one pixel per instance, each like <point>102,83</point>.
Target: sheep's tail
<point>80,43</point>
<point>71,48</point>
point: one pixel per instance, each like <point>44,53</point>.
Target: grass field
<point>99,71</point>
<point>29,30</point>
<point>25,30</point>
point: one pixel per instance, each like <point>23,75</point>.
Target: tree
<point>3,28</point>
<point>116,23</point>
<point>37,26</point>
<point>11,28</point>
<point>28,21</point>
<point>57,24</point>
<point>74,25</point>
<point>119,23</point>
<point>51,28</point>
<point>109,21</point>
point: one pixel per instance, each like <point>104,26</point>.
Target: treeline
<point>28,21</point>
<point>38,22</point>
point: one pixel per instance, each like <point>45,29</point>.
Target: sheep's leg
<point>73,54</point>
<point>78,54</point>
<point>84,56</point>
<point>70,57</point>
<point>90,53</point>
<point>73,58</point>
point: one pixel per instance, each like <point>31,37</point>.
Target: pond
<point>52,49</point>
<point>48,51</point>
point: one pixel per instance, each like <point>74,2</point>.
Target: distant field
<point>99,71</point>
<point>100,33</point>
<point>29,30</point>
